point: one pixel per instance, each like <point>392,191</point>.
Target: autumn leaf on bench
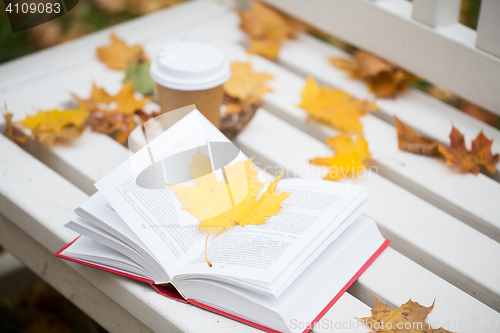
<point>230,202</point>
<point>383,78</point>
<point>335,107</point>
<point>349,159</point>
<point>409,318</point>
<point>119,55</point>
<point>53,125</point>
<point>266,29</point>
<point>470,160</point>
<point>410,141</point>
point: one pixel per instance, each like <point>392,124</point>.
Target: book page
<point>154,214</point>
<point>261,252</point>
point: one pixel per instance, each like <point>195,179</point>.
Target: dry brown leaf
<point>266,29</point>
<point>408,318</point>
<point>470,161</point>
<point>119,55</point>
<point>383,78</point>
<point>410,141</point>
<point>335,107</point>
<point>53,125</point>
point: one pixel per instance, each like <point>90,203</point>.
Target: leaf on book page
<point>267,28</point>
<point>410,141</point>
<point>409,317</point>
<point>383,78</point>
<point>335,107</point>
<point>119,55</point>
<point>470,160</point>
<point>53,125</point>
<point>222,205</point>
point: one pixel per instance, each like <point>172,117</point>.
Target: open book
<point>291,268</point>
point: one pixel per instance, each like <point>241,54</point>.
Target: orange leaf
<point>124,102</point>
<point>470,161</point>
<point>119,55</point>
<point>410,141</point>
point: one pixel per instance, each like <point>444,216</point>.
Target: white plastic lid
<point>190,66</point>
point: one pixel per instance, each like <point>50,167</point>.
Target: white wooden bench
<point>444,225</point>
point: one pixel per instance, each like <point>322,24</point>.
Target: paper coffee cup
<point>191,73</point>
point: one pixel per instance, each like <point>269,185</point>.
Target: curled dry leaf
<point>335,107</point>
<point>383,78</point>
<point>350,157</point>
<point>470,161</point>
<point>266,29</point>
<point>222,205</point>
<point>119,55</point>
<point>410,141</point>
<point>410,315</point>
<point>50,126</point>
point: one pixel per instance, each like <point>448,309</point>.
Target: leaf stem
<point>206,255</point>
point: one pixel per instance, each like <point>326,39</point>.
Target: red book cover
<point>171,292</point>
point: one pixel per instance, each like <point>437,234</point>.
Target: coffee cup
<point>191,73</point>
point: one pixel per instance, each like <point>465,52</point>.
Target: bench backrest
<point>423,36</point>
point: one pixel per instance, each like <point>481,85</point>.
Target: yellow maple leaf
<point>335,107</point>
<point>246,85</point>
<point>123,103</point>
<point>119,55</point>
<point>266,48</point>
<point>52,125</point>
<point>409,318</point>
<point>225,205</point>
<point>350,157</point>
<point>344,145</point>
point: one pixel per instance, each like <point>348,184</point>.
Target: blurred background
<point>39,308</point>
